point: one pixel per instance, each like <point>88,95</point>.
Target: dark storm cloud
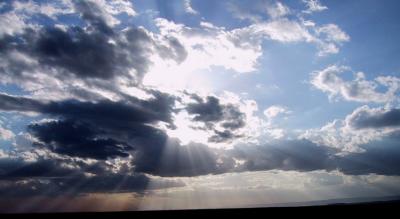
<point>96,51</point>
<point>175,159</point>
<point>73,185</point>
<point>76,185</point>
<point>17,168</point>
<point>12,103</point>
<point>206,111</point>
<point>365,118</point>
<point>83,54</point>
<point>103,130</point>
<point>299,155</point>
<point>380,157</point>
<point>135,110</point>
<point>211,112</point>
<point>107,129</point>
<point>79,139</point>
<point>54,176</point>
<point>91,130</point>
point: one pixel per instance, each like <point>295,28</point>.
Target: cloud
<point>278,10</point>
<point>77,139</point>
<point>50,9</point>
<point>79,61</point>
<point>206,45</point>
<point>333,33</point>
<point>81,127</point>
<point>363,126</point>
<point>80,130</point>
<point>299,155</point>
<point>222,119</point>
<point>87,55</point>
<point>23,104</point>
<point>281,30</point>
<point>6,134</point>
<point>359,89</point>
<point>99,128</point>
<point>182,160</point>
<point>10,24</point>
<point>330,37</point>
<point>378,157</point>
<point>207,42</point>
<point>288,29</point>
<point>381,156</point>
<point>314,6</point>
<point>83,130</point>
<point>188,7</point>
<point>275,110</point>
<point>134,110</point>
<point>49,178</point>
<point>375,118</point>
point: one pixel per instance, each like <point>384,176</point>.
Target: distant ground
<point>383,208</point>
<point>353,201</point>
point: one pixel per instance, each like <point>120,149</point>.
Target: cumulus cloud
<point>212,113</point>
<point>288,29</point>
<point>98,127</point>
<point>360,89</point>
<point>150,150</point>
<point>375,118</point>
<point>80,130</point>
<point>84,131</point>
<point>363,126</point>
<point>204,44</point>
<point>65,61</point>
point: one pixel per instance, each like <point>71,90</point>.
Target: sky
<point>188,104</point>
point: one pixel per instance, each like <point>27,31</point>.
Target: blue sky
<point>184,97</point>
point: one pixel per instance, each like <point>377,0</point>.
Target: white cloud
<point>243,14</point>
<point>11,23</point>
<point>314,6</point>
<point>188,7</point>
<point>207,46</point>
<point>282,30</point>
<point>333,33</point>
<point>6,134</point>
<point>49,9</point>
<point>359,89</point>
<point>275,110</point>
<point>280,27</point>
<point>278,10</point>
<point>111,8</point>
<point>348,135</point>
<point>19,17</point>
